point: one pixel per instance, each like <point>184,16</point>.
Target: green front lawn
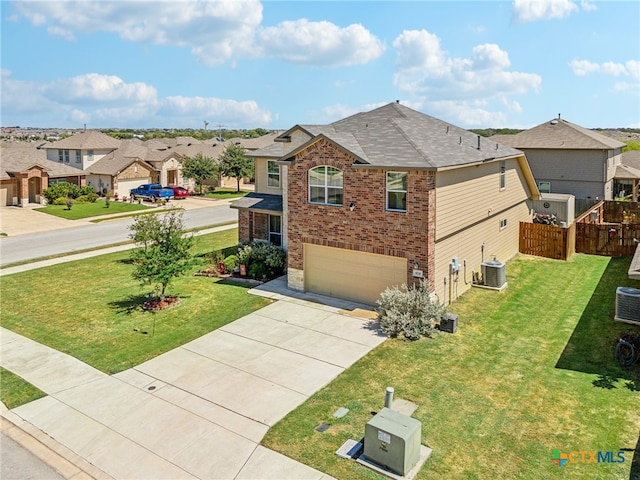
<point>86,210</point>
<point>226,193</point>
<point>531,369</point>
<point>91,309</point>
<point>14,391</point>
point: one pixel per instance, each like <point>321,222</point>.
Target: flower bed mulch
<point>157,304</point>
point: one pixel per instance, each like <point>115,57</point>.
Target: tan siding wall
<point>261,178</point>
<point>578,172</point>
<point>468,246</point>
<point>466,195</point>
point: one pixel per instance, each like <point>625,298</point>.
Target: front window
<point>273,174</point>
<point>63,156</point>
<point>325,185</point>
<point>90,155</point>
<point>78,156</point>
<point>503,174</point>
<point>397,191</point>
<point>275,230</point>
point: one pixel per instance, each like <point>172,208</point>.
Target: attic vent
<point>554,122</point>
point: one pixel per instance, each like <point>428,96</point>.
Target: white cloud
<point>97,88</point>
<point>425,72</point>
<point>107,101</point>
<point>216,31</point>
<point>630,68</point>
<point>319,43</point>
<point>534,10</point>
<point>61,32</point>
<point>231,112</point>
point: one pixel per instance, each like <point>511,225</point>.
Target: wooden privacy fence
<point>610,228</point>
<point>547,241</point>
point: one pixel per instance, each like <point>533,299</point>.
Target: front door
<point>172,177</point>
<point>34,189</point>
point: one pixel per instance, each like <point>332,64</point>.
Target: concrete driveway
<point>198,411</point>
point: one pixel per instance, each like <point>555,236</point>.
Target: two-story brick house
<point>386,197</point>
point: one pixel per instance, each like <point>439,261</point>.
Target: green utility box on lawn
<point>392,440</point>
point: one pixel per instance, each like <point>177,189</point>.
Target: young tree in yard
<point>200,168</point>
<point>235,164</point>
<point>164,249</point>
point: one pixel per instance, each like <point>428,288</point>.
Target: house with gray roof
<point>627,177</point>
<point>567,158</point>
<point>387,197</point>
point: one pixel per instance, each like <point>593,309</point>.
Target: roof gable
<point>559,134</point>
<point>88,140</point>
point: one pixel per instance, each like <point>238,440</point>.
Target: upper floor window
<point>503,174</point>
<point>63,156</point>
<point>544,187</point>
<point>90,155</point>
<point>325,185</point>
<point>78,156</point>
<point>273,174</point>
<point>397,191</point>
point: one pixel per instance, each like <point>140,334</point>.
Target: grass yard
<point>531,369</point>
<point>226,193</point>
<point>91,309</point>
<point>86,210</point>
<point>14,391</point>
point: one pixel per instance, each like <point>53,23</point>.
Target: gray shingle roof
<point>259,201</point>
<point>89,140</point>
<point>395,136</point>
<point>559,134</point>
<point>627,172</point>
<point>21,156</point>
<point>631,158</point>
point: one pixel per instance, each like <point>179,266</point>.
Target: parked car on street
<point>152,192</point>
<point>179,192</point>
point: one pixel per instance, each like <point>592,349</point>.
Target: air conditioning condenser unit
<point>493,274</point>
<point>628,305</point>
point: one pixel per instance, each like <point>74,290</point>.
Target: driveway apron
<point>198,411</point>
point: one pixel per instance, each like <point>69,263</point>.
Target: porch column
<point>23,190</point>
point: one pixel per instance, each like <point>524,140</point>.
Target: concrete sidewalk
<point>198,411</point>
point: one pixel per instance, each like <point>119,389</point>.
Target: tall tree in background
<point>200,168</point>
<point>235,164</point>
<point>164,249</point>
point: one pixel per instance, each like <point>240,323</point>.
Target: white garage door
<point>5,195</point>
<point>125,186</point>
<point>349,274</point>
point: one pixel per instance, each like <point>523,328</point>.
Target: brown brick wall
<point>260,226</point>
<point>244,226</point>
<point>369,228</point>
<point>252,226</point>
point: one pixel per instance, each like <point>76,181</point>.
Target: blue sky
<point>274,64</point>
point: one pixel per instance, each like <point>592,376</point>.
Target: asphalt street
<point>17,463</point>
<point>68,240</point>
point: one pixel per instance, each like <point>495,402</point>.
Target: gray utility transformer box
<point>392,440</point>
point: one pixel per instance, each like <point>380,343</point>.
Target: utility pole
<point>220,132</point>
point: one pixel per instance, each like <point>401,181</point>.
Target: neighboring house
<point>384,198</point>
<point>567,158</point>
<point>627,178</point>
<point>25,172</point>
